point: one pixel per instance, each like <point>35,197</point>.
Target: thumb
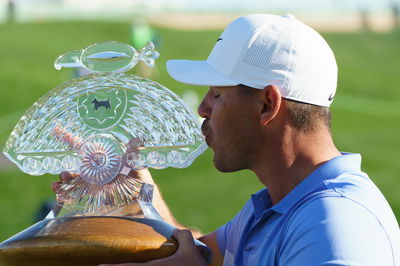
<point>185,238</point>
<point>187,247</point>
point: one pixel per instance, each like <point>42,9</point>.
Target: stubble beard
<point>234,145</point>
<point>226,166</point>
<point>234,156</point>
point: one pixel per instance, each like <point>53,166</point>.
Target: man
<point>272,80</point>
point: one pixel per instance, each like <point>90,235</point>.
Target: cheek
<point>233,118</point>
<point>225,122</point>
<point>219,116</point>
<point>241,125</point>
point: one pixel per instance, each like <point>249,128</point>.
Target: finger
<point>67,176</point>
<point>56,186</point>
<point>130,150</point>
<point>185,239</point>
<point>187,248</point>
<point>142,175</point>
<point>135,143</point>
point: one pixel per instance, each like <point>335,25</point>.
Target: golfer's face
<point>228,127</point>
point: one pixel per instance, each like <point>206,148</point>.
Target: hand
<point>187,254</point>
<point>142,175</point>
<point>64,177</point>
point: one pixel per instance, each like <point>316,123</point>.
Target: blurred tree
<point>141,32</point>
<point>11,5</point>
<point>364,14</point>
<point>395,8</point>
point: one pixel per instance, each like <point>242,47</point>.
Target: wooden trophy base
<point>89,241</point>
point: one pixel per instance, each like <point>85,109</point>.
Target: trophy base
<point>89,241</point>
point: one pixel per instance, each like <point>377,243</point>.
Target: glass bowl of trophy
<point>102,126</point>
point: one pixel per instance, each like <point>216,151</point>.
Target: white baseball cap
<point>261,50</point>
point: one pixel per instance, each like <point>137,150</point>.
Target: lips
<point>204,128</point>
<point>206,132</point>
<point>207,139</point>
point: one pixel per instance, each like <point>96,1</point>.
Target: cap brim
<point>197,73</point>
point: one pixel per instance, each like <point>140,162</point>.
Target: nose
<point>204,109</point>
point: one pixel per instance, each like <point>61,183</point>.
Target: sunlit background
<point>364,35</point>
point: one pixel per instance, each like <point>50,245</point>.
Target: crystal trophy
<point>102,126</point>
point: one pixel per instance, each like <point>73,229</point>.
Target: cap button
<point>289,16</point>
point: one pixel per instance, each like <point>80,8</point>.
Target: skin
<point>248,131</point>
<point>230,127</point>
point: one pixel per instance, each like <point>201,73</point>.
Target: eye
<point>216,95</point>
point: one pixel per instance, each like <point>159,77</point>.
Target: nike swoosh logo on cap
<point>219,39</point>
<point>331,97</point>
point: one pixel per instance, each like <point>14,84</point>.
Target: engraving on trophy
<point>102,108</point>
<point>98,104</point>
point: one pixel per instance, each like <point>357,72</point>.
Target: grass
<point>366,114</point>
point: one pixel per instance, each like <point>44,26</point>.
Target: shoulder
<point>335,229</point>
<point>333,211</point>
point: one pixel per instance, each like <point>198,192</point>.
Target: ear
<point>271,97</point>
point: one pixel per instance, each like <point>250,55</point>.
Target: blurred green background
<point>366,115</point>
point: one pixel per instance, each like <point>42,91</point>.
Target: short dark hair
<point>306,117</point>
<point>303,116</point>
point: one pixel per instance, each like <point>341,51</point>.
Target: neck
<point>291,159</point>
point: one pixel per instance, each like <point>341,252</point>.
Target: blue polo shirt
<point>336,216</point>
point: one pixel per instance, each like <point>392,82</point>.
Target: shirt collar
<point>347,162</point>
<point>261,202</point>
